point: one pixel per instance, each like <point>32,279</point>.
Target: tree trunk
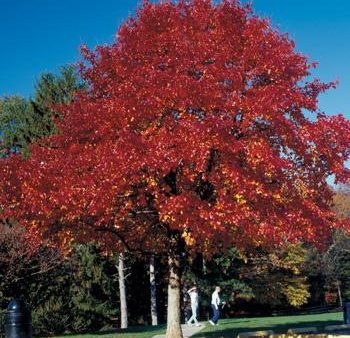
<point>184,302</point>
<point>204,266</point>
<point>122,294</point>
<point>174,294</point>
<point>339,294</point>
<point>153,287</point>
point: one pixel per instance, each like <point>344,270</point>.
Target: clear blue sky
<point>41,35</point>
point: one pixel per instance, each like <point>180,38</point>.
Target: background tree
<point>341,201</point>
<point>336,260</point>
<point>19,264</point>
<point>153,290</point>
<point>52,90</point>
<point>223,270</point>
<point>190,136</point>
<point>23,121</point>
<point>19,125</point>
<point>93,290</point>
<point>122,292</point>
<point>277,277</point>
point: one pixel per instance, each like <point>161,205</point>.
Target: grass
<point>229,328</point>
<point>132,332</point>
<point>279,324</point>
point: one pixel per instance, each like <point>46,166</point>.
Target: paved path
<point>339,334</point>
<point>187,331</point>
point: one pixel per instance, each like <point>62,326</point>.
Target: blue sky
<point>41,35</point>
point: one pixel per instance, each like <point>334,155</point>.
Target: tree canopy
<point>193,122</point>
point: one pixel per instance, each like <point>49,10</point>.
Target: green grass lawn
<point>229,328</point>
<point>132,332</point>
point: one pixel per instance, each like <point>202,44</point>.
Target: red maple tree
<point>192,135</point>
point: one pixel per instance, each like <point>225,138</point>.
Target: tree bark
<point>122,293</point>
<point>339,294</point>
<point>174,294</point>
<point>153,289</point>
<point>184,302</point>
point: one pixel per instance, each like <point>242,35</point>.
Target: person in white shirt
<point>194,306</point>
<point>215,303</point>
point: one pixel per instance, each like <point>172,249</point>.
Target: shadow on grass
<point>132,329</point>
<point>221,331</point>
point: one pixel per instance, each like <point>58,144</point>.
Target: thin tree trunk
<point>122,293</point>
<point>153,287</point>
<point>204,266</point>
<point>184,302</point>
<point>339,294</point>
<point>174,294</point>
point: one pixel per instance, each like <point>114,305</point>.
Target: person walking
<point>215,304</point>
<point>194,305</point>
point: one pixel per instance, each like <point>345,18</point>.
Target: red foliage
<point>194,121</point>
<point>330,297</point>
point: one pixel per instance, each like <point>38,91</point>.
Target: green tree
<point>277,276</point>
<point>222,270</point>
<point>52,90</point>
<point>50,299</point>
<point>93,292</point>
<point>24,121</point>
<point>19,125</point>
<point>79,296</point>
